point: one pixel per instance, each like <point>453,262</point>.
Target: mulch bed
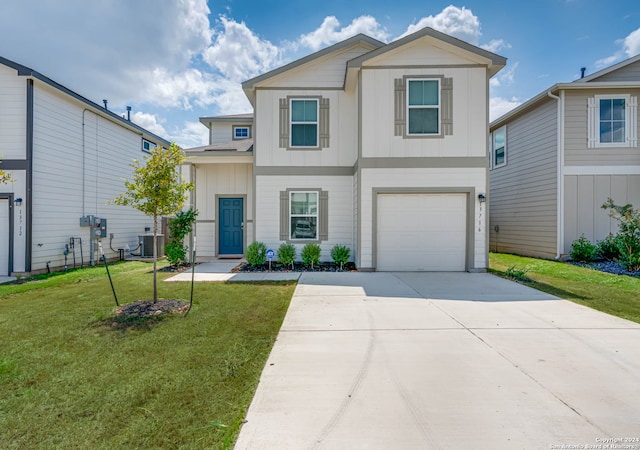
<point>147,308</point>
<point>298,267</point>
<point>606,266</point>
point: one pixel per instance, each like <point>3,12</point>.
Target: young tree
<point>4,176</point>
<point>157,190</point>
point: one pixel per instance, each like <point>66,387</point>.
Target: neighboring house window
<point>499,146</point>
<point>241,133</point>
<point>612,121</point>
<point>304,123</point>
<point>423,106</point>
<point>304,215</point>
<point>147,146</point>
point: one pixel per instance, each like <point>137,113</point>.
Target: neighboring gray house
<point>379,147</point>
<point>68,157</point>
<point>557,158</point>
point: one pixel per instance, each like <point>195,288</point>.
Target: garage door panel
<point>421,232</point>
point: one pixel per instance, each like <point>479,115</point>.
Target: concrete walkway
<point>443,360</point>
<point>220,270</point>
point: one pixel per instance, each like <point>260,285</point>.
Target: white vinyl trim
<point>601,170</point>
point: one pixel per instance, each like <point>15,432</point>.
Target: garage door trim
<point>471,194</point>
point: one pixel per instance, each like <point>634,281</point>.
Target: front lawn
<point>73,377</point>
<point>618,295</point>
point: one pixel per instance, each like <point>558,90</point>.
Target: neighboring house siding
<point>627,73</point>
<point>13,114</point>
<point>584,196</point>
<point>220,133</point>
<point>342,149</point>
<point>60,177</point>
<point>576,151</point>
<point>340,209</point>
<point>221,180</point>
<point>523,193</point>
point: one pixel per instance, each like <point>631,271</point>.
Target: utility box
<point>146,245</point>
<point>85,221</point>
<point>101,225</point>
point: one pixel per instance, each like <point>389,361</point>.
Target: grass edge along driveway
<point>618,295</point>
<point>71,379</point>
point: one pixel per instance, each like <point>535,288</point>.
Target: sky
<point>174,61</point>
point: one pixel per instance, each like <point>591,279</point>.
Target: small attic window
<point>147,146</point>
<point>241,133</point>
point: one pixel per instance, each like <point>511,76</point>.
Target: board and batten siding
<point>522,198</point>
<point>576,151</point>
<point>76,171</point>
<point>469,115</point>
<point>13,114</point>
<point>228,180</point>
<point>584,196</point>
<point>340,209</point>
<point>343,143</point>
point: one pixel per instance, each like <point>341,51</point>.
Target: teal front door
<point>230,220</point>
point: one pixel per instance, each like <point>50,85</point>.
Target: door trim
<point>217,222</point>
<point>9,198</point>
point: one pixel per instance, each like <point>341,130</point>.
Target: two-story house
<point>379,147</point>
<point>67,157</point>
<point>559,156</point>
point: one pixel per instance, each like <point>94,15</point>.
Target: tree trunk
<point>155,258</point>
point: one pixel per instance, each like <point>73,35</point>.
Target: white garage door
<point>421,232</point>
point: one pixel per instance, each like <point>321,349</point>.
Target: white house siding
<point>234,179</point>
<point>342,150</point>
<point>469,115</point>
<point>523,193</point>
<point>576,151</point>
<point>341,217</point>
<point>65,188</point>
<point>327,71</point>
<point>584,196</point>
<point>13,114</point>
<point>422,180</point>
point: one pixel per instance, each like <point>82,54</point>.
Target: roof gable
<point>627,70</point>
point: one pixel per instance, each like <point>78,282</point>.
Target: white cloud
<point>496,45</point>
<point>239,54</point>
<point>330,32</point>
<point>632,43</point>
<point>499,106</point>
<point>149,122</point>
<point>454,21</point>
<point>191,134</point>
<point>629,46</point>
<point>505,76</point>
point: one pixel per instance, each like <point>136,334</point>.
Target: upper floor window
<point>147,146</point>
<point>499,147</point>
<point>612,121</point>
<point>423,106</point>
<point>241,133</point>
<point>304,123</point>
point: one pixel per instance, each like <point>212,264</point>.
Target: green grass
<point>71,377</point>
<point>618,295</point>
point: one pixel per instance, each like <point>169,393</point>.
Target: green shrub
<point>287,254</point>
<point>608,248</point>
<point>517,274</point>
<point>628,237</point>
<point>340,255</point>
<point>179,227</point>
<point>583,250</point>
<point>256,254</point>
<point>311,254</point>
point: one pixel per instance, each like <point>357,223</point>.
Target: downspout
<point>28,256</point>
<point>560,173</point>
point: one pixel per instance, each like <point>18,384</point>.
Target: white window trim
<point>439,80</point>
<point>316,215</point>
<point>493,147</point>
<point>152,145</point>
<point>291,122</point>
<point>630,121</point>
<point>241,127</point>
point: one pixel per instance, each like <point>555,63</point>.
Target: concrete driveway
<point>444,360</point>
